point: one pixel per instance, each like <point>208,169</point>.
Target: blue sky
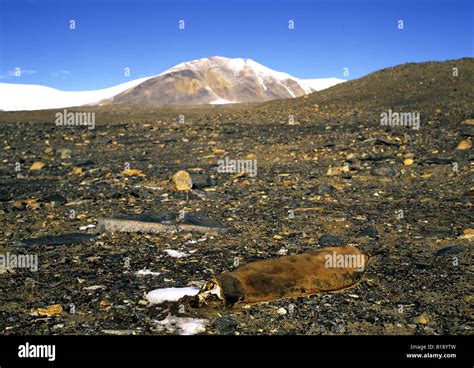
<point>144,36</point>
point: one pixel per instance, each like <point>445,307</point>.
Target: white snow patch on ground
<point>158,296</point>
<point>221,101</point>
<point>146,272</point>
<point>183,325</point>
<point>90,226</point>
<point>175,253</point>
<point>194,241</point>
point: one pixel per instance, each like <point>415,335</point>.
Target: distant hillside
<point>423,86</point>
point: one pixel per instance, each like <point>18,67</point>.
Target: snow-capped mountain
<point>214,80</point>
<point>219,80</point>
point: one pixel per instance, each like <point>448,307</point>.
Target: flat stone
<point>380,142</point>
<point>322,189</point>
<point>388,170</point>
<point>438,161</point>
<point>369,231</point>
<point>454,249</point>
<point>436,233</point>
<point>162,223</point>
<point>202,181</point>
<point>422,319</point>
<point>378,158</point>
<point>328,240</point>
<point>422,266</point>
<point>56,198</point>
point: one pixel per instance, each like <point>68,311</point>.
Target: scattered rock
<point>37,165</point>
<point>467,236</point>
<point>65,153</point>
<point>225,325</point>
<point>52,310</point>
<point>422,319</point>
<point>438,161</point>
<point>338,170</point>
<point>322,189</point>
<point>387,171</point>
<point>89,163</point>
<point>77,171</point>
<point>104,303</point>
<point>201,181</point>
<point>370,231</point>
<point>428,233</point>
<point>423,266</point>
<point>133,173</point>
<point>464,144</point>
<point>380,141</point>
<point>328,240</point>
<point>454,249</point>
<point>65,239</point>
<point>378,158</point>
<point>56,199</point>
<point>183,181</point>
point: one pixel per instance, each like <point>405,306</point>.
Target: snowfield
<point>16,97</point>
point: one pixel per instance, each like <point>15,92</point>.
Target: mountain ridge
<point>187,80</point>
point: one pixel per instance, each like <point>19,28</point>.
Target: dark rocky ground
<point>418,286</point>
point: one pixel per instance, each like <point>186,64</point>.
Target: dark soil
<point>334,177</point>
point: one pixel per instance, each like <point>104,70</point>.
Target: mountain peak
<point>216,80</point>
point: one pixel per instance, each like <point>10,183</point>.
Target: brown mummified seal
<point>315,271</point>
